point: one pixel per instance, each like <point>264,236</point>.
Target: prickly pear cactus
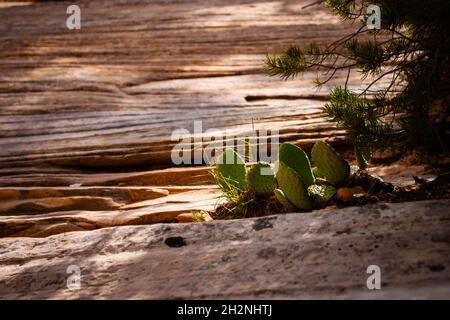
<point>284,201</point>
<point>321,193</point>
<point>261,180</point>
<point>293,187</point>
<point>296,158</point>
<point>331,165</point>
<point>230,168</point>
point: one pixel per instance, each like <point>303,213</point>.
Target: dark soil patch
<point>251,207</point>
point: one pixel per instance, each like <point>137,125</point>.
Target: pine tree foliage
<point>411,51</point>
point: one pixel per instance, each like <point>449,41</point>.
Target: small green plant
<point>233,192</point>
<point>232,177</point>
<point>296,185</point>
<point>240,187</point>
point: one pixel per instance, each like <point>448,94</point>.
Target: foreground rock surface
<point>317,255</point>
<point>109,96</point>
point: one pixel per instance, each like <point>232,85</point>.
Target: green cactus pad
<point>284,201</point>
<point>261,180</point>
<point>331,165</point>
<point>230,168</point>
<point>293,187</point>
<point>296,158</point>
<point>321,193</point>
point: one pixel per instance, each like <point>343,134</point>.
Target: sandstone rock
<point>323,254</point>
<point>57,204</point>
<point>114,100</point>
<point>167,177</point>
<point>185,217</point>
<point>207,217</point>
<point>43,223</point>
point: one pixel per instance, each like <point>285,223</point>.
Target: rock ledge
<point>323,254</point>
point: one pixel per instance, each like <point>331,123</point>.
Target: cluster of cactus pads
<point>292,180</point>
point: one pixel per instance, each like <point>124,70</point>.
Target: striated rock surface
<point>42,217</point>
<point>109,95</point>
<point>51,204</point>
<point>320,254</point>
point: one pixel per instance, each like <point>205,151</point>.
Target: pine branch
<point>413,47</point>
